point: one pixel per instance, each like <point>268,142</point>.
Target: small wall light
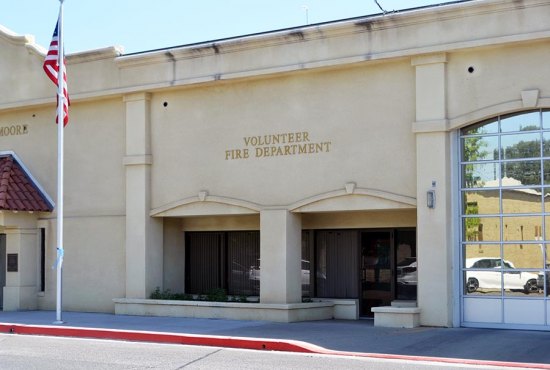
<point>430,198</point>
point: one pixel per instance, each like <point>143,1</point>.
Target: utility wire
<point>382,9</point>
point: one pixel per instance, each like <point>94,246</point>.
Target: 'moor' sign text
<point>276,145</point>
<point>13,130</point>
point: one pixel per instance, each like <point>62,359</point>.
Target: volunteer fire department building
<point>395,166</point>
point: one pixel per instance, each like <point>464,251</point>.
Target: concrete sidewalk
<point>530,348</point>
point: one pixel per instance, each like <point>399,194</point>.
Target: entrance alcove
<point>220,217</point>
<point>22,200</point>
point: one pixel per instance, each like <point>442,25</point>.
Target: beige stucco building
<point>323,171</point>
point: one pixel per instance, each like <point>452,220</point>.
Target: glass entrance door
<point>377,283</point>
<point>373,266</point>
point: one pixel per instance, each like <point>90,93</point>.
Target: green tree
<point>472,150</point>
<point>472,223</point>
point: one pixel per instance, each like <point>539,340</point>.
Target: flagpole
<point>60,154</point>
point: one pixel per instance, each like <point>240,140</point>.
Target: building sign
<point>278,145</point>
<point>13,130</point>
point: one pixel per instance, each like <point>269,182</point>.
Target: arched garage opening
<point>505,221</point>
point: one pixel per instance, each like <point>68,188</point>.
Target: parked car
<point>490,277</point>
<point>407,279</point>
<point>254,272</point>
<point>407,273</point>
<point>540,280</point>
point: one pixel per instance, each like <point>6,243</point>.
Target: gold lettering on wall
<point>13,130</point>
<point>277,145</point>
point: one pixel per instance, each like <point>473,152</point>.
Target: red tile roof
<point>18,192</point>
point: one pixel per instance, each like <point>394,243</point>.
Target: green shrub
<point>217,295</point>
<point>168,295</point>
<point>156,294</point>
<point>214,295</point>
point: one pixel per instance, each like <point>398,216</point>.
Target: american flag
<point>51,67</point>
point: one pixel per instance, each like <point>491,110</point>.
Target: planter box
<point>226,310</point>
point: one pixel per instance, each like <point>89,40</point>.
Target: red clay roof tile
<point>17,191</point>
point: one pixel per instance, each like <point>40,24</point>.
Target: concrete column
<point>434,225</point>
<point>280,256</point>
<point>20,292</point>
<point>143,233</point>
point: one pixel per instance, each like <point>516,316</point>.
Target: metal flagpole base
<point>59,322</point>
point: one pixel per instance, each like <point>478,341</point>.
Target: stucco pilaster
<point>143,233</point>
<point>434,225</point>
<point>280,256</point>
<point>430,87</point>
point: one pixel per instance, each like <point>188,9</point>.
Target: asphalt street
<point>48,353</point>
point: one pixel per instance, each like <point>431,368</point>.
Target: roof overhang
<point>19,190</point>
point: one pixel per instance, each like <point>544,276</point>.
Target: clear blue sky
<point>140,25</point>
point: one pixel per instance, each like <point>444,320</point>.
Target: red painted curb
<point>157,337</point>
<point>235,342</point>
